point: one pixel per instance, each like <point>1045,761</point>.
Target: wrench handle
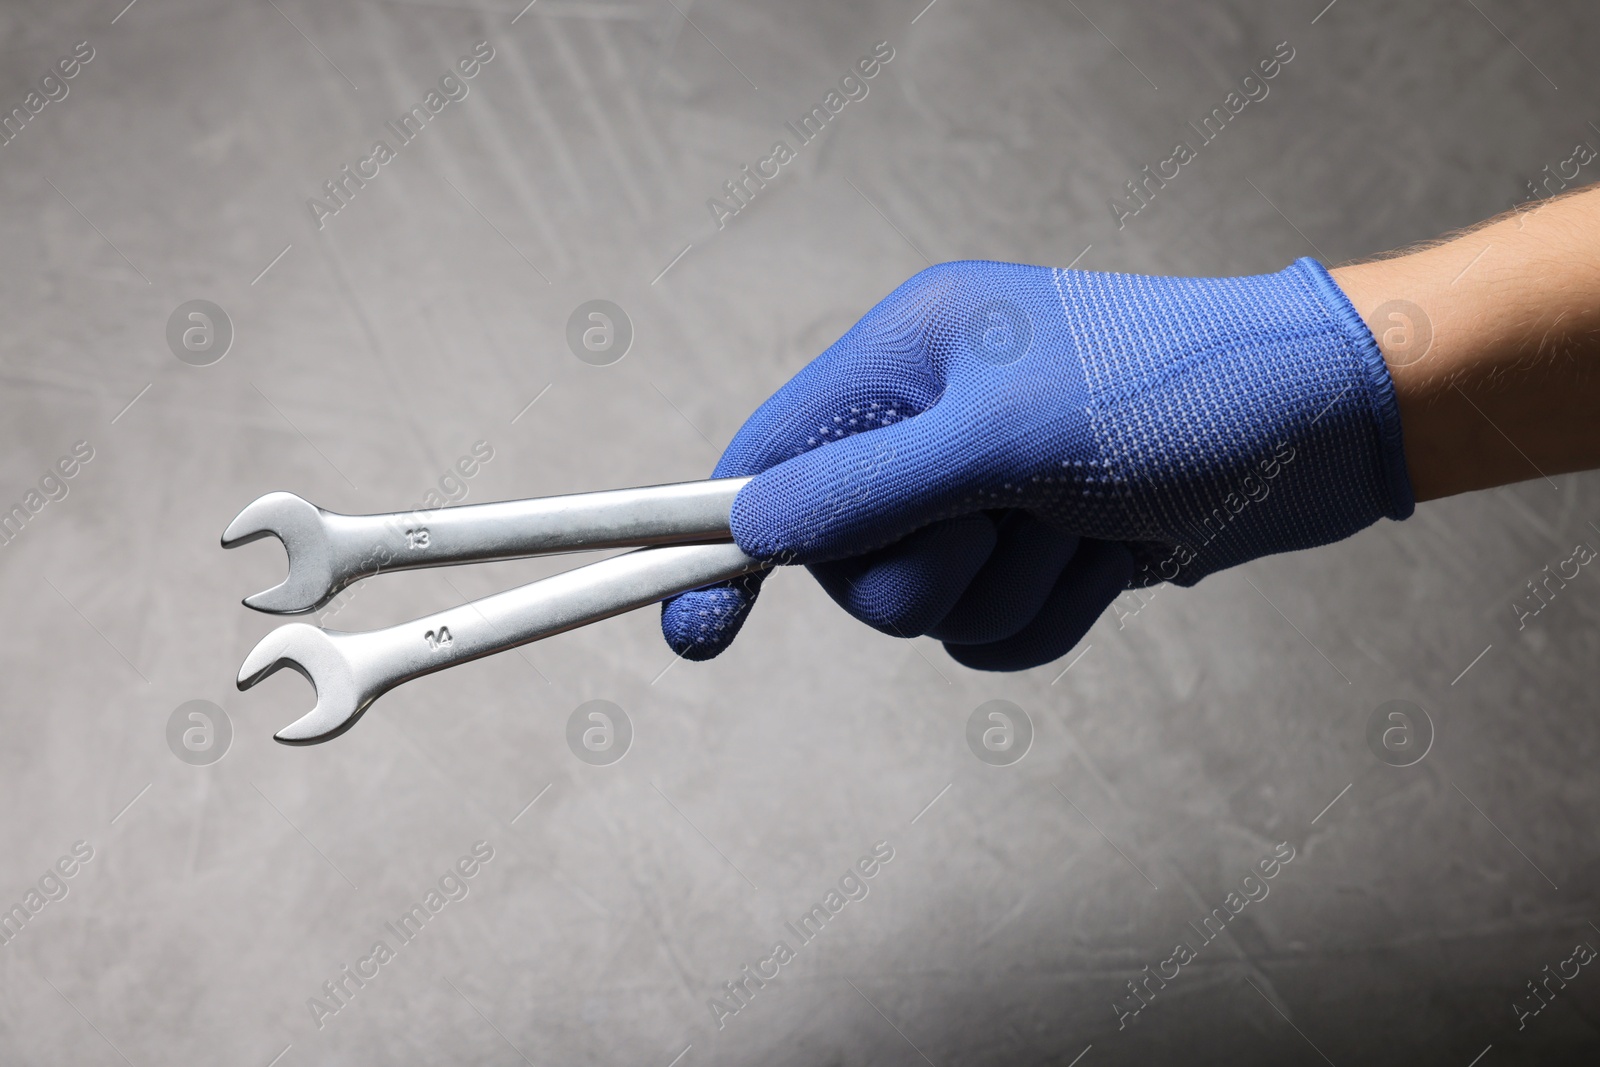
<point>477,533</point>
<point>383,659</point>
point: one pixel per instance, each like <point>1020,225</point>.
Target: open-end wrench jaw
<point>315,654</point>
<point>302,527</point>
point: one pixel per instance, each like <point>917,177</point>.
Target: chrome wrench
<point>351,670</point>
<point>328,551</point>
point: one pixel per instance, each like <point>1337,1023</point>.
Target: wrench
<point>351,670</point>
<point>328,551</point>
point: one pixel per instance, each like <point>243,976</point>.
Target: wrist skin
<point>1492,340</point>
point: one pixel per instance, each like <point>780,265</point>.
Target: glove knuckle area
<point>1098,572</point>
<point>975,308</point>
<point>904,589</point>
<point>894,348</point>
<point>879,374</point>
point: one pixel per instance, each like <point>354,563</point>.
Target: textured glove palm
<point>996,451</point>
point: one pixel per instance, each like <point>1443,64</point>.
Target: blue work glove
<point>996,451</point>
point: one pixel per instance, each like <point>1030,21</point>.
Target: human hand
<point>996,451</point>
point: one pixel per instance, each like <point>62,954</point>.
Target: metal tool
<point>351,670</point>
<point>328,551</point>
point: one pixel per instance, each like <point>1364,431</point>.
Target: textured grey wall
<point>1208,730</point>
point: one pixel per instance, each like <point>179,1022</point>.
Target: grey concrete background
<point>1181,748</point>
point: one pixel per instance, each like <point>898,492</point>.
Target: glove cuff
<point>1380,395</point>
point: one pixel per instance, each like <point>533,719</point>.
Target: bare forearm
<point>1493,342</point>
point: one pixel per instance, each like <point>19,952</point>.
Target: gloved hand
<point>996,451</point>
